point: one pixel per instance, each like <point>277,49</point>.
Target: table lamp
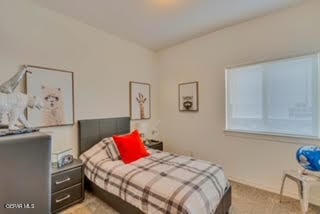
<point>143,129</point>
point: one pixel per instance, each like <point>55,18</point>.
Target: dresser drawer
<point>66,197</point>
<point>65,179</point>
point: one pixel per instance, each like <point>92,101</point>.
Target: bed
<point>93,131</point>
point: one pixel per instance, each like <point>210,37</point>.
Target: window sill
<point>300,140</point>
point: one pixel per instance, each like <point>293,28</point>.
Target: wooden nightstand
<point>67,186</point>
<point>154,144</point>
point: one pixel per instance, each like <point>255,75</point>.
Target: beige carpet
<point>245,200</point>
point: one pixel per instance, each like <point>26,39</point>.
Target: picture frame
<point>57,157</point>
<point>55,87</point>
<point>189,97</point>
<point>140,100</point>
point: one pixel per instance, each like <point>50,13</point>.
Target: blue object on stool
<point>309,157</point>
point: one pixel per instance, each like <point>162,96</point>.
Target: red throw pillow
<point>130,147</point>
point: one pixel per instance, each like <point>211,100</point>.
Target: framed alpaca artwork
<point>140,101</point>
<point>55,89</point>
<point>189,97</point>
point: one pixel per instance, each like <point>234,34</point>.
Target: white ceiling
<point>157,24</point>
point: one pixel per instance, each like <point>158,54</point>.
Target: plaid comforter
<point>160,183</point>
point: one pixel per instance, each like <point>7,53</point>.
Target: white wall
<point>250,159</point>
<point>102,64</point>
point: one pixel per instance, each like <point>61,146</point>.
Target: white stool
<point>304,182</point>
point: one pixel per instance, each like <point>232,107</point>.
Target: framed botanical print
<point>189,97</point>
<point>55,88</point>
<point>140,100</point>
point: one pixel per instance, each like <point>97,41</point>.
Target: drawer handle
<point>62,181</point>
<point>62,199</point>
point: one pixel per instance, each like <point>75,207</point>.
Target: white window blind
<point>277,97</point>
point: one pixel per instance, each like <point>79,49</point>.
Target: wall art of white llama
<point>55,87</point>
<point>140,103</point>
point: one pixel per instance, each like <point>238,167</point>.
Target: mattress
<point>160,183</point>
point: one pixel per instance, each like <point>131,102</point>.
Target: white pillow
<point>111,149</point>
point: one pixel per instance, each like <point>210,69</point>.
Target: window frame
<point>316,106</point>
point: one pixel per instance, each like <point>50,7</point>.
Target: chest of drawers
<point>67,186</point>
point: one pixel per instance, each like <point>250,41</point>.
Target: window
<point>278,97</point>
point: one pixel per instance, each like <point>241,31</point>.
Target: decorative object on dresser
<point>25,173</point>
<point>60,158</point>
<point>5,132</point>
<point>55,87</point>
<point>189,96</point>
<point>10,85</point>
<point>154,144</point>
<point>66,159</point>
<point>140,101</point>
<point>13,104</point>
<point>67,186</point>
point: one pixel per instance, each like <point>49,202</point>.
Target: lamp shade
<point>142,128</point>
<point>155,130</point>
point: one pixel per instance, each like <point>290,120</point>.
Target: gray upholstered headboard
<point>94,130</point>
